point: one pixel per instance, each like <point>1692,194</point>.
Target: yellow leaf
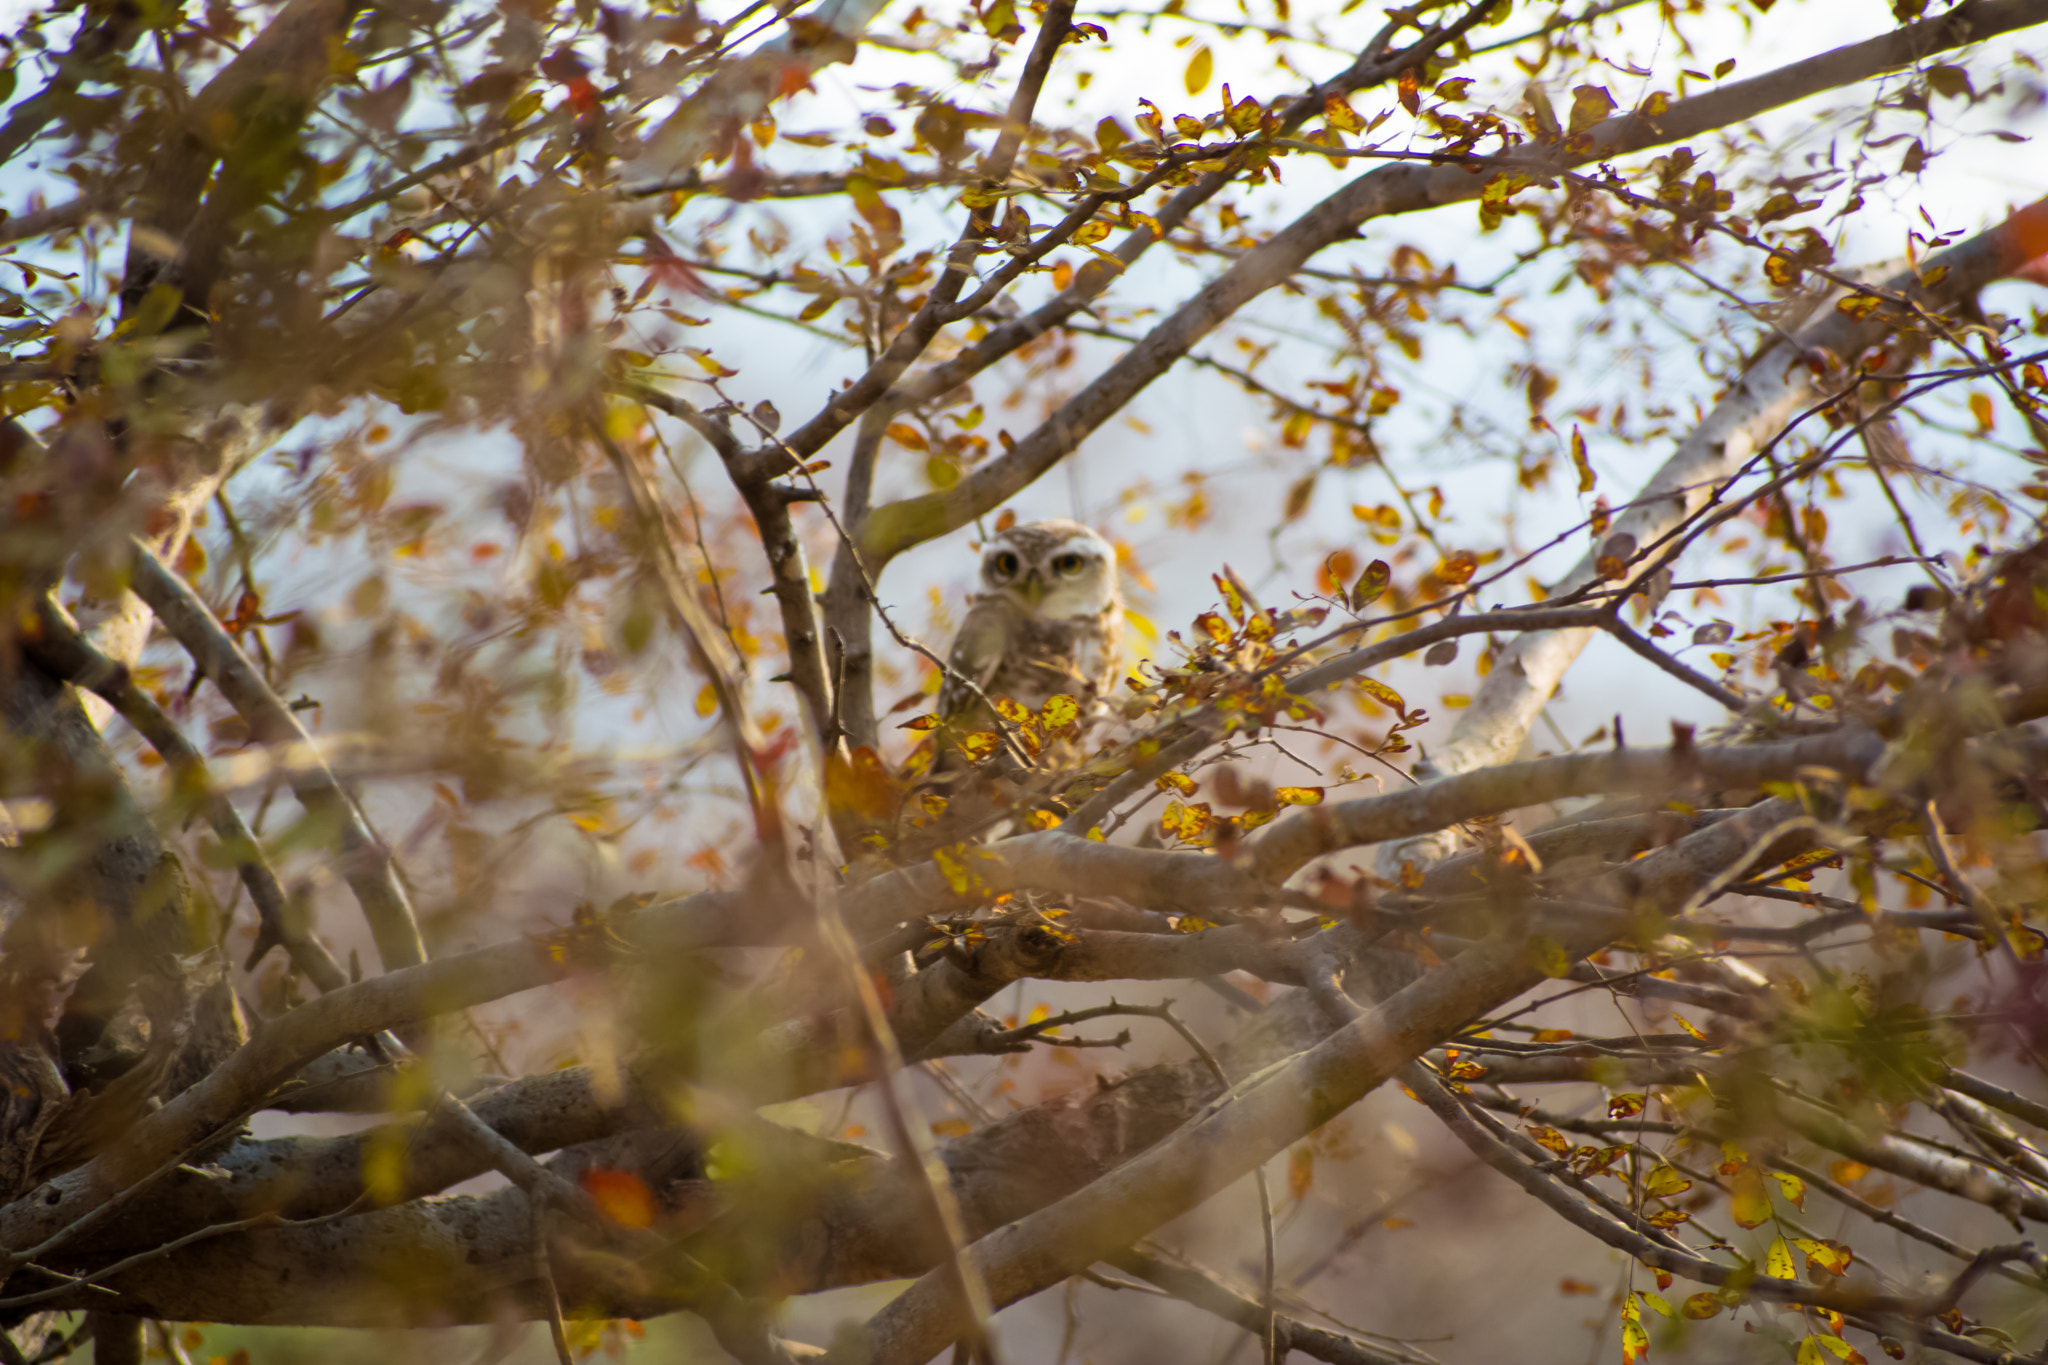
<point>1778,1260</point>
<point>1243,116</point>
<point>1665,1182</point>
<point>1341,116</point>
<point>1200,67</point>
<point>1090,232</point>
<point>1011,711</point>
<point>1748,1204</point>
<point>1831,1257</point>
<point>1580,462</point>
<point>1381,693</point>
<point>1298,796</point>
<point>1059,712</point>
<point>920,724</point>
<point>1980,408</point>
<point>707,700</point>
<point>1792,1187</point>
<point>1187,823</point>
<point>1700,1307</point>
<point>1371,584</point>
<point>1590,104</point>
<point>1635,1343</point>
<point>953,870</point>
<point>1858,306</point>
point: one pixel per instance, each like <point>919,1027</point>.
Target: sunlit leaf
<point>1665,1182</point>
<point>1370,586</point>
<point>1059,712</point>
<point>1458,567</point>
<point>1980,408</point>
<point>1590,105</point>
<point>1380,692</point>
<point>1748,1203</point>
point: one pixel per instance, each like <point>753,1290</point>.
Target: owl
<point>1047,621</point>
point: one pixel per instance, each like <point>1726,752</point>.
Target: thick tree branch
<point>1278,1105</point>
<point>68,1205</point>
<point>60,648</point>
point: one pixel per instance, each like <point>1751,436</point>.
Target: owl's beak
<point>1033,588</point>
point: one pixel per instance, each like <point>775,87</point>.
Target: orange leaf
<point>622,1197</point>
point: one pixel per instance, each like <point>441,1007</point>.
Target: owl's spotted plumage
<point>1046,621</point>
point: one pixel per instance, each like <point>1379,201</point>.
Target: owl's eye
<point>1004,564</point>
<point>1068,564</point>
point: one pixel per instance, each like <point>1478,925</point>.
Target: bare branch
<point>365,860</point>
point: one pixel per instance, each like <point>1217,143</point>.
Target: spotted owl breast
<point>1052,658</point>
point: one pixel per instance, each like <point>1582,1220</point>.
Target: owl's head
<point>1054,570</point>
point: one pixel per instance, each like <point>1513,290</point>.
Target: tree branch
<point>366,861</point>
<point>1400,189</point>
